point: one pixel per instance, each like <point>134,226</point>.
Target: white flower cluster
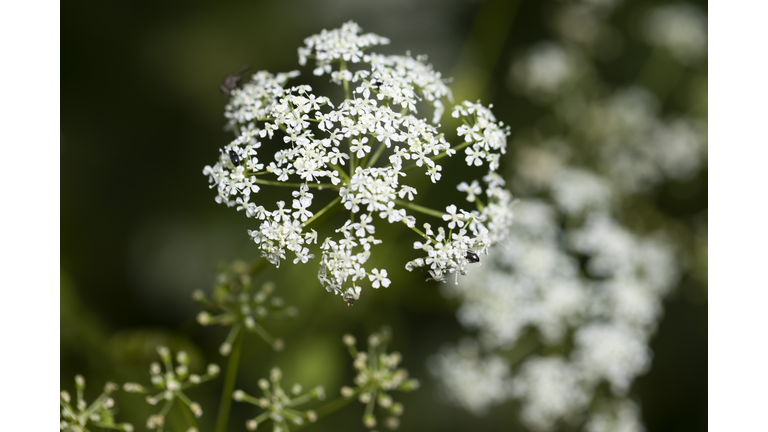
<point>550,389</point>
<point>314,143</point>
<point>535,281</point>
<point>637,148</point>
<point>546,70</point>
<point>620,416</point>
<point>470,381</point>
<point>569,302</point>
<point>681,28</point>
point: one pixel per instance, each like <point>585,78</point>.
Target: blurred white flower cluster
<point>564,309</point>
<point>596,284</point>
<point>680,28</point>
<point>288,136</point>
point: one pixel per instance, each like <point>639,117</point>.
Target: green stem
<point>333,406</point>
<point>376,155</point>
<point>483,48</point>
<point>263,334</point>
<point>279,183</point>
<point>344,176</point>
<point>343,67</point>
<point>323,210</point>
<point>420,209</point>
<point>229,384</point>
<point>440,156</point>
<point>418,231</point>
<point>190,419</point>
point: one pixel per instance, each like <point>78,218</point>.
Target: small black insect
<point>233,81</point>
<point>472,257</point>
<point>234,158</point>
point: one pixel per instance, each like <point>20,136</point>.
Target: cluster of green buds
<point>280,405</point>
<point>233,303</point>
<point>99,413</point>
<point>377,374</point>
<point>172,384</point>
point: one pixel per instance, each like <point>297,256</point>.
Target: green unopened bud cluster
<point>83,417</point>
<point>377,374</point>
<point>233,303</point>
<point>278,404</point>
<point>171,384</point>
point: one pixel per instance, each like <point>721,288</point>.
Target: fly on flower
<point>234,158</point>
<point>472,257</point>
<point>233,81</point>
<point>363,148</point>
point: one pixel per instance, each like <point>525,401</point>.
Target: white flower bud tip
<point>275,374</point>
<point>251,425</point>
<point>238,395</point>
<point>369,420</point>
<point>348,340</point>
<point>196,409</point>
<point>164,352</point>
<point>213,369</point>
<point>204,318</point>
<point>225,349</point>
<point>182,357</point>
<point>319,392</point>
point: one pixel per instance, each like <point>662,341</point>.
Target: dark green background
<point>141,114</point>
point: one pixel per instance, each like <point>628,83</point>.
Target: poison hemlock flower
<point>378,374</point>
<point>470,380</point>
<point>279,405</point>
<point>171,385</point>
<point>680,28</point>
<point>359,150</point>
<point>81,417</point>
<point>619,416</point>
<point>535,281</point>
<point>545,72</point>
<point>234,303</point>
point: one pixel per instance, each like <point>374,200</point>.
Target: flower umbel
<point>279,404</point>
<point>355,155</point>
<point>171,384</point>
<point>81,417</point>
<point>234,303</point>
<point>377,374</point>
